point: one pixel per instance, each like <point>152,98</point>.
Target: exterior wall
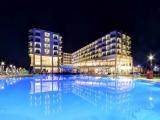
<point>45,50</point>
<point>67,58</point>
<point>111,52</point>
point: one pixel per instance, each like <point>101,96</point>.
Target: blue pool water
<point>77,97</point>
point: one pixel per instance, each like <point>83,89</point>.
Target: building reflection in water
<point>47,92</point>
<point>108,95</point>
<point>8,82</point>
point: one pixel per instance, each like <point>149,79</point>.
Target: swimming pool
<point>78,97</point>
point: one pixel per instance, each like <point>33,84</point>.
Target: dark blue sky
<point>79,23</point>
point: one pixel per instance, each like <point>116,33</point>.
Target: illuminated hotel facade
<point>67,58</point>
<point>110,54</point>
<point>45,50</point>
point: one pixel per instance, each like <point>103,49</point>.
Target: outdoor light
<point>138,66</point>
<point>2,63</point>
<point>151,58</point>
<point>10,65</point>
<point>155,67</point>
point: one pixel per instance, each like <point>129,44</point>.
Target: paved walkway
<point>10,76</point>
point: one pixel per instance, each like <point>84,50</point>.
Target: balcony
<point>104,54</point>
<point>47,40</point>
<point>55,48</point>
<point>37,34</point>
<point>104,49</point>
<point>37,51</point>
<point>47,34</point>
<point>55,53</point>
<point>55,43</point>
<point>37,46</point>
<point>37,40</point>
<point>47,46</point>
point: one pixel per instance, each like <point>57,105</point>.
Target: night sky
<point>79,23</point>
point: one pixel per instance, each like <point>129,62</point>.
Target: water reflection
<point>8,82</point>
<point>46,92</point>
<point>51,83</point>
<point>118,96</point>
<point>47,102</point>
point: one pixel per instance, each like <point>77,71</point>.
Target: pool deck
<point>12,76</point>
<point>155,79</point>
<point>152,80</point>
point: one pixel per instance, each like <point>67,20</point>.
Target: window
<point>37,51</point>
<point>55,43</point>
<point>38,34</point>
<point>37,39</point>
<point>30,50</point>
<point>37,45</point>
<point>30,33</point>
<point>55,36</point>
<point>104,54</point>
<point>55,53</point>
<point>47,34</point>
<point>46,51</point>
<point>47,45</point>
<point>47,60</point>
<point>55,48</point>
<point>30,44</point>
<point>37,60</point>
<point>47,40</point>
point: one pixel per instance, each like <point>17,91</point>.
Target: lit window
<point>47,60</point>
<point>37,60</point>
<point>47,34</point>
<point>30,43</point>
<point>47,45</point>
<point>46,51</point>
<point>30,50</point>
<point>47,40</point>
<point>55,36</point>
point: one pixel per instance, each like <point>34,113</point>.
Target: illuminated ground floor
<point>41,63</point>
<point>122,65</point>
<point>119,64</point>
<point>104,70</point>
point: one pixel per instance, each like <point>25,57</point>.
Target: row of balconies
<point>113,51</point>
<point>46,34</point>
<point>95,57</point>
<point>46,51</point>
<point>102,50</point>
<point>46,40</point>
<point>121,47</point>
<point>38,45</point>
<point>100,46</point>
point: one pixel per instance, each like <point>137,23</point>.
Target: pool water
<point>78,97</point>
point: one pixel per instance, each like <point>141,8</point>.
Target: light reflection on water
<point>75,97</point>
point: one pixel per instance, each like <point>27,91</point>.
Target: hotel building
<point>67,58</point>
<point>45,50</point>
<point>110,54</point>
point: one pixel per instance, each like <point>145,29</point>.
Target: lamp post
<point>151,58</point>
<point>2,64</point>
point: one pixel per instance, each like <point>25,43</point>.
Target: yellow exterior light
<point>2,63</point>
